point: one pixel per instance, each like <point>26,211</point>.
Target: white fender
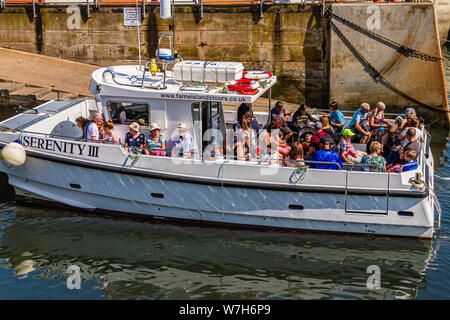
<point>13,155</point>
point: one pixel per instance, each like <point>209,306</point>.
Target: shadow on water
<point>143,260</point>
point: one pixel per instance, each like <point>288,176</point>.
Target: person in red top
<point>318,135</point>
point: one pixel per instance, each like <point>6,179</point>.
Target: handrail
<point>311,161</point>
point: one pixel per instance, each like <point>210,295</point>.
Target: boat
<point>47,159</point>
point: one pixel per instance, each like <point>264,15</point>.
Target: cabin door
<point>213,127</point>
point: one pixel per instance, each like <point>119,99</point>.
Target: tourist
<point>156,142</point>
<point>413,124</point>
<point>135,140</point>
<point>327,128</point>
<point>360,124</point>
<point>410,162</point>
<point>374,158</point>
<point>89,128</point>
<point>421,124</point>
<point>394,156</point>
<point>318,135</point>
<point>98,119</point>
<point>326,155</point>
<point>376,117</point>
<point>122,115</point>
<point>279,111</point>
<point>241,138</point>
<point>108,134</point>
<point>347,151</point>
<point>308,149</point>
<point>301,118</point>
<point>337,118</point>
<point>295,156</point>
<point>183,145</point>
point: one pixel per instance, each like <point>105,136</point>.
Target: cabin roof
<point>126,81</point>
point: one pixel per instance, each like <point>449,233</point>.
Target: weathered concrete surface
<point>290,41</point>
<point>351,82</point>
<point>43,71</point>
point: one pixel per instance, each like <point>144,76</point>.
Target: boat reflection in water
<point>126,259</point>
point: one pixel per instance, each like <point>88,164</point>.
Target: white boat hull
<point>106,191</point>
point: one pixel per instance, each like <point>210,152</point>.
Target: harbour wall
<point>295,42</point>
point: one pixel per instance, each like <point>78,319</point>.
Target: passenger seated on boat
<point>360,124</point>
<point>374,158</point>
<point>414,123</point>
<point>327,128</point>
<point>279,111</point>
<point>326,155</point>
<point>301,118</point>
<point>241,138</point>
<point>394,156</point>
<point>183,146</point>
<point>283,148</point>
<point>295,155</point>
<point>156,141</point>
<point>410,164</point>
<point>89,128</point>
<point>346,149</point>
<point>421,124</point>
<point>337,118</point>
<point>135,140</point>
<point>410,114</point>
<point>308,149</point>
<point>108,134</point>
<point>318,135</point>
<point>379,126</point>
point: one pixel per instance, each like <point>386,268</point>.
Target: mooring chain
<point>406,51</point>
<point>379,77</point>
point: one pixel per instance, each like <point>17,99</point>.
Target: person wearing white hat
<point>183,145</point>
<point>156,141</point>
<point>135,139</point>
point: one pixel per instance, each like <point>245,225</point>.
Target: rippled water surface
<point>127,259</point>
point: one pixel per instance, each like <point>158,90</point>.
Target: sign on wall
<point>131,17</point>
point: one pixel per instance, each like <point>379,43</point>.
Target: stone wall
<point>290,41</point>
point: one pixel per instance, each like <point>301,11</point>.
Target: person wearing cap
<point>135,140</point>
<point>346,149</point>
<point>337,118</point>
<point>326,155</point>
<point>183,146</point>
<point>301,118</point>
<point>279,111</point>
<point>156,142</point>
<point>360,123</point>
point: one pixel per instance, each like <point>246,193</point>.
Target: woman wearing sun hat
<point>156,141</point>
<point>135,139</point>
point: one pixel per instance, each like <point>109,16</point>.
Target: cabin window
<point>134,111</point>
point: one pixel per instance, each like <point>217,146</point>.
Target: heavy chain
<point>377,75</point>
<point>406,51</point>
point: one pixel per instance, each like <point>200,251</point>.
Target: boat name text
<point>61,146</point>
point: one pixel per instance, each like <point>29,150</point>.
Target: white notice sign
<point>131,17</point>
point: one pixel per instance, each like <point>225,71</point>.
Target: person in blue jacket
<point>326,155</point>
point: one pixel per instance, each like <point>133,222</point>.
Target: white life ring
<point>257,74</point>
<point>242,85</point>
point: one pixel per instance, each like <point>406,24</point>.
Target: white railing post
<point>261,2</point>
<point>34,10</point>
<point>88,9</point>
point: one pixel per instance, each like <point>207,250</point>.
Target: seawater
<point>127,259</point>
